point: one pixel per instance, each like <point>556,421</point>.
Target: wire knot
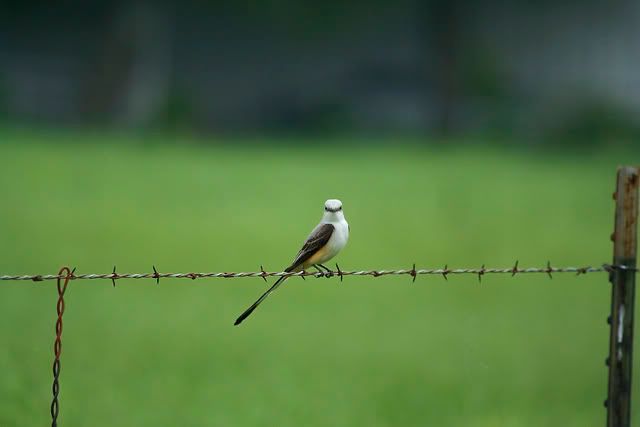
<point>582,270</point>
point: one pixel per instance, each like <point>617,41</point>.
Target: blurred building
<point>404,66</point>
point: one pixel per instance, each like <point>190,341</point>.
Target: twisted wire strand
<point>445,271</point>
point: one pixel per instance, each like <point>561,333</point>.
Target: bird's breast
<point>338,239</point>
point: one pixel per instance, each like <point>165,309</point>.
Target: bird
<point>325,241</point>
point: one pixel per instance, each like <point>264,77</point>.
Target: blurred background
<point>539,71</point>
<point>206,137</point>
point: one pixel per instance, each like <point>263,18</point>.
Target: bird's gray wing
<point>316,240</point>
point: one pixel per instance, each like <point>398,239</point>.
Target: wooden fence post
<point>623,283</point>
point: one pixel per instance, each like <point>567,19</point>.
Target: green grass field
<point>524,351</point>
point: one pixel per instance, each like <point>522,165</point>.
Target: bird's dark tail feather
<point>249,310</point>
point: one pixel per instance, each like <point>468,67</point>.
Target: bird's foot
<point>327,272</point>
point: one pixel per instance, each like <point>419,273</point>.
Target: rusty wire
<point>64,274</point>
<point>413,272</point>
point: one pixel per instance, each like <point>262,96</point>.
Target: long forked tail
<point>249,310</point>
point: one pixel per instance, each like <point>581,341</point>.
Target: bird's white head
<point>333,211</point>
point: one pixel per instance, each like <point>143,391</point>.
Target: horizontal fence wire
<point>445,271</point>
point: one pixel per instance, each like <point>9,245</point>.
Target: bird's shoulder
<point>321,231</point>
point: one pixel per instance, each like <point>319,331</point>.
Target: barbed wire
<point>413,272</point>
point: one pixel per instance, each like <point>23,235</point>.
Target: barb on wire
<point>481,273</point>
<point>339,271</point>
<point>514,270</point>
<point>66,275</point>
<point>156,275</point>
<point>413,273</point>
<point>444,272</point>
<point>264,273</point>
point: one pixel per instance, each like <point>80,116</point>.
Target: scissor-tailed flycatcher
<point>324,242</point>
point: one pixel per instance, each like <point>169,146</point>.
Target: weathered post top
<point>625,241</point>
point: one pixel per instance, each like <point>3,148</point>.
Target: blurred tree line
<point>559,69</point>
